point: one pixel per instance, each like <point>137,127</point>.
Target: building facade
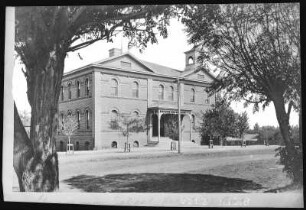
<point>123,84</point>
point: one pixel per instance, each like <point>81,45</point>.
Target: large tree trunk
<point>40,172</point>
<point>283,120</point>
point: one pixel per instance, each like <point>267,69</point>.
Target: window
<point>114,115</point>
<point>171,96</point>
<point>193,120</point>
<point>87,118</point>
<point>114,87</point>
<point>200,76</point>
<point>190,60</point>
<point>86,145</point>
<point>78,89</point>
<point>135,114</point>
<point>125,64</point>
<point>62,117</point>
<point>69,113</point>
<point>86,87</point>
<point>135,90</point>
<point>61,146</point>
<point>69,91</point>
<point>62,93</point>
<point>161,92</point>
<point>77,146</point>
<point>207,101</point>
<point>192,99</point>
<point>78,119</point>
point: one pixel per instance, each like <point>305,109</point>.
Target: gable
<point>126,62</point>
<point>199,76</point>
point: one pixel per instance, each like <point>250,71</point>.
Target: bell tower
<point>191,58</point>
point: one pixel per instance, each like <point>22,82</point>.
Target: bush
<point>293,166</point>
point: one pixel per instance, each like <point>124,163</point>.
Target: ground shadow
<point>162,182</point>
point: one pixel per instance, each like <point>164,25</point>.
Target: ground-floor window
<point>86,145</point>
<point>77,145</point>
<point>114,144</point>
<point>135,144</point>
<point>61,146</point>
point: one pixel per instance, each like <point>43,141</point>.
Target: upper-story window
<point>87,118</point>
<point>190,60</point>
<point>161,92</point>
<point>135,90</point>
<point>62,93</point>
<point>69,90</point>
<point>62,117</point>
<point>192,99</point>
<point>78,89</point>
<point>114,87</point>
<point>171,94</point>
<point>87,87</point>
<point>78,119</point>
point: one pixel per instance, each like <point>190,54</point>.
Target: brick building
<point>124,84</point>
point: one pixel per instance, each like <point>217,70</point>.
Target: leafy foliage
<point>69,125</point>
<point>256,46</point>
<point>127,125</point>
<point>293,165</point>
<point>223,121</point>
<point>171,123</point>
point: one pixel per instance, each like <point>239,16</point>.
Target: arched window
<point>192,99</point>
<point>193,120</point>
<point>114,144</point>
<point>171,95</point>
<point>190,60</point>
<point>78,89</point>
<point>114,115</point>
<point>62,93</point>
<point>114,87</point>
<point>78,118</point>
<point>86,87</point>
<point>87,118</point>
<point>135,114</point>
<point>62,118</point>
<point>161,91</point>
<point>69,91</point>
<point>135,90</point>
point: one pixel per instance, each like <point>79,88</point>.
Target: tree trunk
<point>40,172</point>
<point>23,149</point>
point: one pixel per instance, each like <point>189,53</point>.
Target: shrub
<point>293,166</point>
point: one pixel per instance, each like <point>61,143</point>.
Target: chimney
<point>114,52</point>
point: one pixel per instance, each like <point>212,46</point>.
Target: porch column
<point>158,124</point>
<point>150,127</point>
<point>190,117</point>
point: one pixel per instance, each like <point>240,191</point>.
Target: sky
<point>168,52</point>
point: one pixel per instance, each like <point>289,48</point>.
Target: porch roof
<point>168,110</point>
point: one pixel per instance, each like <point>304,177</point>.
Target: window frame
<point>116,88</point>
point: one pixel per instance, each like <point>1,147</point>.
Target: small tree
<point>171,123</point>
<point>69,126</point>
<point>127,125</point>
<point>242,124</point>
<point>219,121</point>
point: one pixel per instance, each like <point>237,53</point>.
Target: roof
<point>164,70</point>
<point>155,68</point>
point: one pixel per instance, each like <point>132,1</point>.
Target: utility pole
<point>179,113</point>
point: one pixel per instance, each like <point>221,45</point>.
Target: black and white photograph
<point>166,105</point>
